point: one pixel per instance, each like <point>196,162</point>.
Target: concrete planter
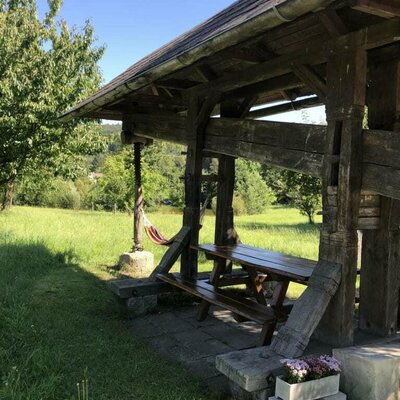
<point>310,390</point>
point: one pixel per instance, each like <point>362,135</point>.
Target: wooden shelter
<point>201,90</point>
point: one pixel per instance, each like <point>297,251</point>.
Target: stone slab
<point>338,396</point>
<point>371,372</point>
<point>128,287</point>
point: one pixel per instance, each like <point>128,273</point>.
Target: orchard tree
<point>45,68</point>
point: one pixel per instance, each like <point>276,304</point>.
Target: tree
<point>251,188</point>
<point>45,68</point>
<point>303,191</point>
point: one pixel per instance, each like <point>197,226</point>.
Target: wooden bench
<point>266,316</point>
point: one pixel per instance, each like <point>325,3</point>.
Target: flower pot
<point>310,390</point>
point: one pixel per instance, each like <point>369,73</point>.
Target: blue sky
<point>131,29</point>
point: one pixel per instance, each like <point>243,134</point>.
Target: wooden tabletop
<point>266,261</point>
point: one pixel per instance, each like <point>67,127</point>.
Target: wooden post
<point>224,227</point>
<point>379,287</point>
<point>139,200</point>
<point>225,232</point>
<point>342,175</point>
<point>198,115</point>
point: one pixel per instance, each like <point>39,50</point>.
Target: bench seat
<point>246,308</point>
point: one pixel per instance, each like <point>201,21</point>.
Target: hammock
<point>157,237</point>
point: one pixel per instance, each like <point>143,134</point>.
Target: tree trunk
<point>7,196</point>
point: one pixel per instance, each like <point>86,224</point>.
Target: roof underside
<point>247,33</point>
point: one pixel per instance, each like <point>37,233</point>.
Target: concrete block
<point>138,264</point>
<point>138,306</point>
<point>371,372</point>
<point>253,369</point>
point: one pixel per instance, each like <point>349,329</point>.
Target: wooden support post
<point>198,116</point>
<point>380,261</point>
<point>224,228</point>
<point>346,82</point>
<point>139,200</point>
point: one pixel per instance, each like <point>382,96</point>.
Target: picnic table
<point>260,266</point>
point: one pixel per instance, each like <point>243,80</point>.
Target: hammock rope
<point>157,237</point>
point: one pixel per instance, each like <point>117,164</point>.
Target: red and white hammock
<point>157,237</point>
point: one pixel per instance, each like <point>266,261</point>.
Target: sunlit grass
<point>57,318</point>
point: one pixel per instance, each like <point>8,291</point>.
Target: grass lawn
<point>58,321</point>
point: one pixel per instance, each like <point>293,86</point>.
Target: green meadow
<point>59,324</point>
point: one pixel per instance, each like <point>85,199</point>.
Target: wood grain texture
<point>294,336</point>
<point>379,282</point>
<point>347,73</point>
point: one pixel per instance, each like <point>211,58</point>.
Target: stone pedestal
<point>371,372</point>
<point>138,264</point>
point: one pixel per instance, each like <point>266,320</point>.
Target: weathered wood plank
<point>382,8</point>
<point>298,147</point>
<point>294,336</point>
<point>198,117</point>
<point>371,37</point>
<point>346,79</point>
<point>379,284</point>
<point>172,254</point>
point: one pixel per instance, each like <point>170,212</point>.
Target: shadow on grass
<point>59,323</point>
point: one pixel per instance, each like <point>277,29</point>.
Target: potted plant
<point>308,378</point>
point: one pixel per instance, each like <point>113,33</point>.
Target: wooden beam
<point>198,117</point>
<point>367,38</point>
<point>379,284</point>
<point>381,8</point>
<point>311,79</point>
<point>179,84</point>
<point>333,23</point>
<point>346,80</point>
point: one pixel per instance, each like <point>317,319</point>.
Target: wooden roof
<point>245,34</point>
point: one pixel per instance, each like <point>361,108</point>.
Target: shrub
<point>239,206</point>
<point>62,194</point>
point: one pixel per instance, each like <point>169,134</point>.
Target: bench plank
<point>240,305</point>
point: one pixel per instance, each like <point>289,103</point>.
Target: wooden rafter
<point>368,38</point>
<point>307,74</point>
<point>333,23</point>
<point>382,8</point>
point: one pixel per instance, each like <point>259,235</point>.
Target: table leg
<point>215,275</point>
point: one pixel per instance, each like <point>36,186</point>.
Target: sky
<point>131,29</point>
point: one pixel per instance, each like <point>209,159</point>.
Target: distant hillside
<point>111,129</point>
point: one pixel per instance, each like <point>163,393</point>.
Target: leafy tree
<point>303,191</point>
<point>45,68</point>
<point>251,187</point>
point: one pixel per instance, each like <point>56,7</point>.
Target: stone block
<point>371,372</point>
<point>138,306</point>
<point>253,369</point>
<point>138,264</point>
